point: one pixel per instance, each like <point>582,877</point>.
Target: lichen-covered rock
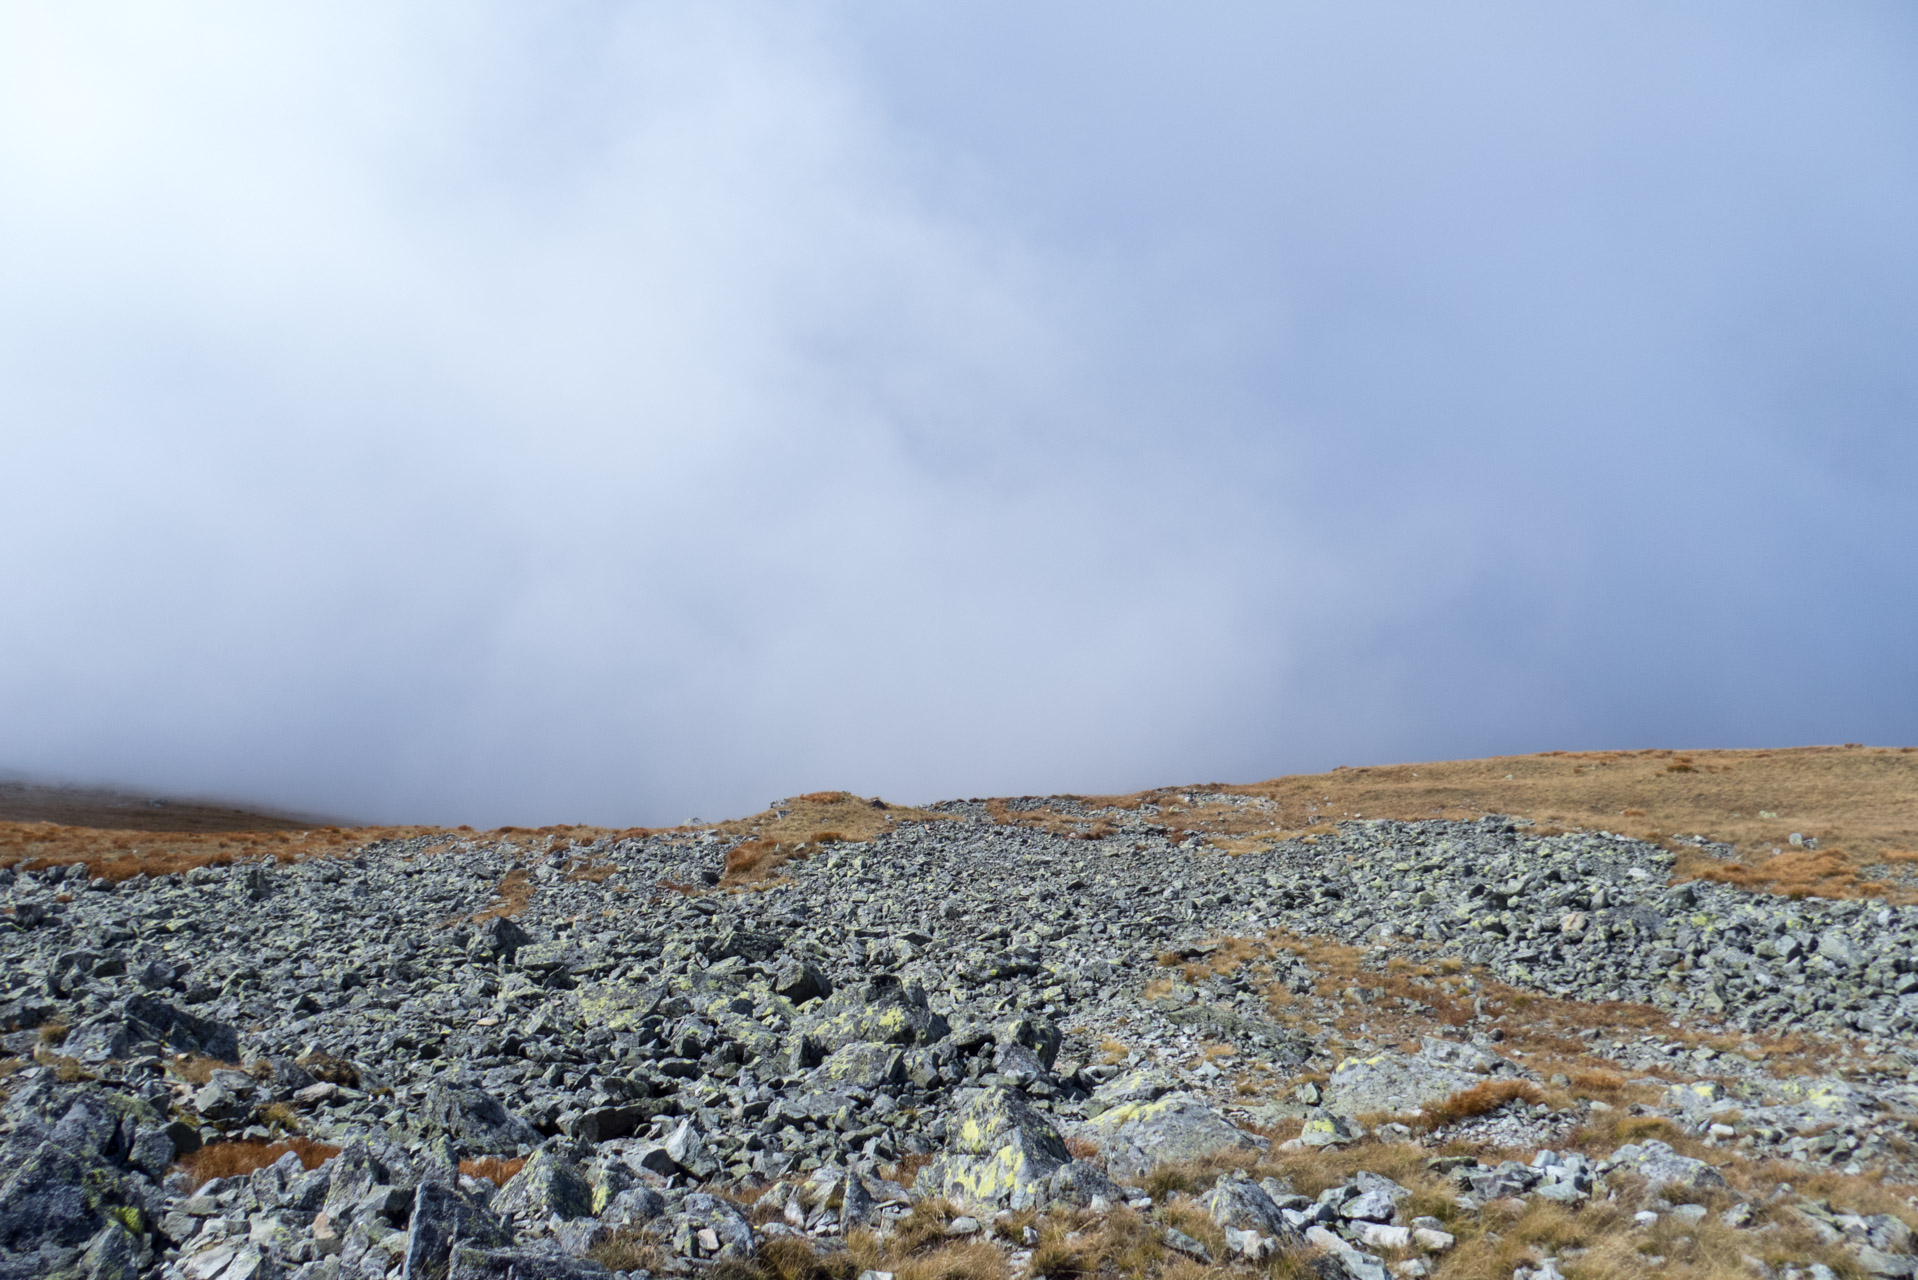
<point>1146,1084</point>
<point>862,1066</point>
<point>1001,1153</point>
<point>619,1006</point>
<point>1394,1082</point>
<point>549,1185</point>
<point>1138,1137</point>
<point>883,1011</point>
<point>145,1022</point>
<point>1244,1205</point>
<point>474,1119</point>
<point>442,1215</point>
<point>1661,1166</point>
<point>52,1198</point>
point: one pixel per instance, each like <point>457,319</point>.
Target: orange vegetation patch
<point>236,1159</point>
<point>758,860</point>
<point>1480,1099</point>
<point>121,855</point>
<point>492,1168</point>
<point>806,818</point>
<point>510,898</point>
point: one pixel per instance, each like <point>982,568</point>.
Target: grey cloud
<point>627,412</point>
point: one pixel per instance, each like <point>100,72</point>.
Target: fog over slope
<point>631,412</point>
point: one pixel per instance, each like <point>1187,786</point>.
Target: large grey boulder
<point>1661,1166</point>
<point>1242,1205</point>
<point>1398,1083</point>
<point>1138,1137</point>
<point>146,1023</point>
<point>442,1215</point>
<point>474,1119</point>
<point>548,1186</point>
<point>53,1199</point>
<point>1001,1153</point>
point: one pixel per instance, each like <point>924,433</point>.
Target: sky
<point>621,413</point>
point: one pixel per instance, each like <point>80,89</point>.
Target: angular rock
<point>442,1215</point>
<point>1661,1166</point>
<point>1001,1153</point>
<point>475,1120</point>
<point>1138,1137</point>
<point>548,1186</point>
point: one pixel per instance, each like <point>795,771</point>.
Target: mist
<point>628,413</point>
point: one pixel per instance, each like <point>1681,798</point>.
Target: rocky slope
<point>1019,1037</point>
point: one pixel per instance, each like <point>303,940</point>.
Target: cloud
<point>620,412</point>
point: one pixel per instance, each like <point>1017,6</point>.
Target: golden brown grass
<point>515,891</point>
<point>197,1068</point>
<point>755,860</point>
<point>837,813</point>
<point>118,854</point>
<point>235,1159</point>
<point>494,1169</point>
<point>1481,1099</point>
<point>631,1249</point>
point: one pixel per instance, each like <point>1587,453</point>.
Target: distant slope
<point>1855,809</point>
<point>110,810</point>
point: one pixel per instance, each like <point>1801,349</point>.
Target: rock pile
<point>485,1057</point>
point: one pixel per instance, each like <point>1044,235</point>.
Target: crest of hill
<point>1855,809</point>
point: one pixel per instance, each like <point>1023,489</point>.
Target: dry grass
<point>840,813</point>
<point>197,1068</point>
<point>789,1259</point>
<point>906,1169</point>
<point>492,1168</point>
<point>121,855</point>
<point>326,1067</point>
<point>515,891</point>
<point>590,871</point>
<point>235,1159</point>
<point>632,1249</point>
<point>1481,1099</point>
<point>756,860</point>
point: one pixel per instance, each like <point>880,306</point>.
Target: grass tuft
<point>235,1159</point>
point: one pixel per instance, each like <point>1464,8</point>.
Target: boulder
<point>1138,1137</point>
<point>861,1065</point>
<point>883,1010</point>
<point>474,1119</point>
<point>710,1228</point>
<point>442,1215</point>
<point>143,1022</point>
<point>1395,1082</point>
<point>547,1186</point>
<point>1238,1204</point>
<point>1661,1166</point>
<point>1001,1153</point>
